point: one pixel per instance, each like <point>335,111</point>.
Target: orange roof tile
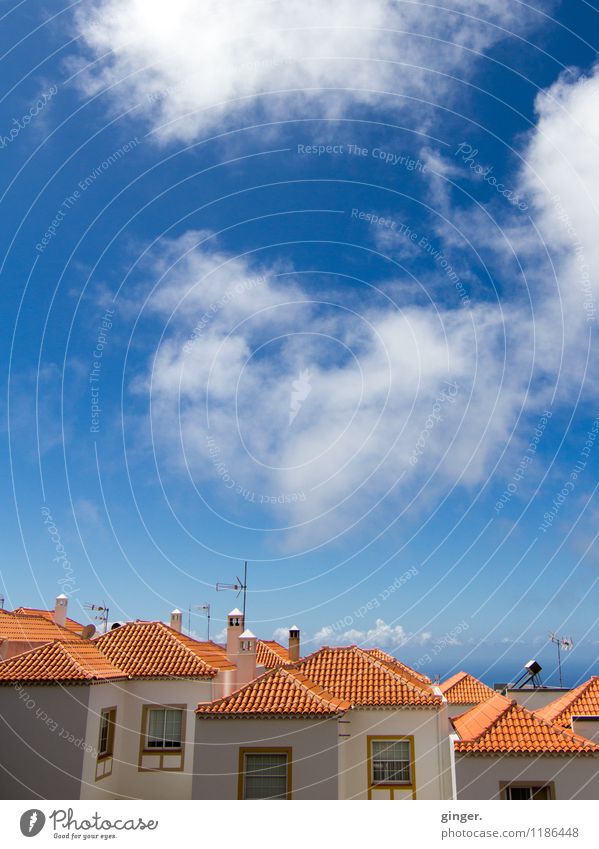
<point>401,667</point>
<point>271,654</point>
<point>464,689</point>
<point>582,701</point>
<point>279,692</point>
<point>59,662</point>
<point>70,624</point>
<point>356,675</point>
<point>32,629</point>
<point>153,649</point>
<point>501,726</point>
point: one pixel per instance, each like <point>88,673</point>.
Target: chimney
<point>246,659</point>
<point>60,609</point>
<point>294,643</point>
<point>235,626</point>
<point>176,620</point>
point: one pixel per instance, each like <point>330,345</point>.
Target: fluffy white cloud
<point>185,64</point>
<point>381,635</point>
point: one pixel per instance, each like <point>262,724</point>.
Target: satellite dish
<point>88,632</point>
<point>115,625</point>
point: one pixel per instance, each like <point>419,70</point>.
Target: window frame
<point>391,785</point>
<point>110,714</point>
<point>163,748</point>
<point>262,750</point>
<point>145,750</point>
<point>505,786</point>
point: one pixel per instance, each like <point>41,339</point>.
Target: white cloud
<point>381,635</point>
<point>185,65</point>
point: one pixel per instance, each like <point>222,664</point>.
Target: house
<point>340,724</point>
<point>463,691</point>
<point>504,751</point>
<point>577,710</point>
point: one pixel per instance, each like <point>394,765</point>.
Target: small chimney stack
<point>246,659</point>
<point>294,643</point>
<point>235,628</point>
<point>60,610</point>
<point>176,620</point>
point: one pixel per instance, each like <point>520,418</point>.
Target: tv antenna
<point>563,644</point>
<point>101,612</point>
<point>239,587</point>
<point>203,608</point>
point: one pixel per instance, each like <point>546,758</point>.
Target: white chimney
<point>176,620</point>
<point>246,659</point>
<point>235,626</point>
<point>294,643</point>
<point>60,609</point>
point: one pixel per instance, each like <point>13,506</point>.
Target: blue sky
<point>314,288</point>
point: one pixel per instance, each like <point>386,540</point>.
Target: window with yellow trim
<point>390,762</point>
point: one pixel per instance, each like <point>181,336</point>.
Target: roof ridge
<point>558,728</point>
<point>381,664</point>
<point>564,703</point>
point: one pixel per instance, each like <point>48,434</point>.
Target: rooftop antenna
<point>203,608</point>
<point>101,613</point>
<point>563,644</point>
<point>239,587</point>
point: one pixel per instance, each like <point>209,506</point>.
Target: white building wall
<point>588,728</point>
<point>533,699</point>
<point>127,780</point>
<point>430,729</point>
<point>574,776</point>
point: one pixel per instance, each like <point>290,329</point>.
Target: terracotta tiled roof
<point>280,692</point>
<point>153,649</point>
<point>354,674</point>
<point>271,654</point>
<point>70,624</point>
<point>501,726</point>
<point>401,667</point>
<point>582,701</point>
<point>464,689</point>
<point>59,661</point>
<point>32,629</point>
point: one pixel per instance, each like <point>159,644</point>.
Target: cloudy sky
<point>312,285</point>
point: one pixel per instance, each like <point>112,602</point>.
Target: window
<point>106,738</point>
<point>265,774</point>
<point>528,791</point>
<point>164,728</point>
<point>390,760</point>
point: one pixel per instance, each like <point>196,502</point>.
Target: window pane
<point>391,762</point>
<point>172,729</point>
<point>519,793</point>
<point>104,724</point>
<point>266,776</point>
<point>156,728</point>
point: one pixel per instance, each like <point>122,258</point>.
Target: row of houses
<point>145,711</point>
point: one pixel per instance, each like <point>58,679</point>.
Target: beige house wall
<point>429,730</point>
<point>574,776</point>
